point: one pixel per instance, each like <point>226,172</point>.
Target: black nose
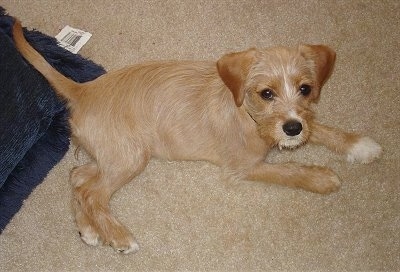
<point>292,128</point>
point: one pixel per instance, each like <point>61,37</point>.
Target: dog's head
<point>277,86</point>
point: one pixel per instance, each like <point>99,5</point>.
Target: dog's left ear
<point>324,60</point>
<point>233,69</point>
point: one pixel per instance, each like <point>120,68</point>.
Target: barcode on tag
<point>72,39</point>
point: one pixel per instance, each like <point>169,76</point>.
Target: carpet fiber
<point>182,214</point>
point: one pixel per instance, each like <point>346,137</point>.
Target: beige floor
<point>183,216</point>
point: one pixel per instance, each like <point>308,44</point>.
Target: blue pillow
<point>34,131</point>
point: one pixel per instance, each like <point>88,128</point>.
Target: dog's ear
<point>233,69</point>
<point>324,60</point>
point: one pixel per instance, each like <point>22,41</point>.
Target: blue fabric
<point>34,132</point>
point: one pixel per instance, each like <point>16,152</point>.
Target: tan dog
<point>230,113</point>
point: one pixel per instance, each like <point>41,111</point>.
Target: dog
<point>230,112</point>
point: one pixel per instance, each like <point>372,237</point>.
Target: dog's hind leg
<point>79,176</point>
<point>94,184</point>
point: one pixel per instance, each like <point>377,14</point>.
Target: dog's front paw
<point>322,180</point>
<point>365,150</point>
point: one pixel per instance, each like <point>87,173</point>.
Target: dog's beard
<point>291,142</point>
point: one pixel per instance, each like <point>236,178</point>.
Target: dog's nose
<point>292,128</point>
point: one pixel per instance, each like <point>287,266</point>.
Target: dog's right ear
<point>233,69</point>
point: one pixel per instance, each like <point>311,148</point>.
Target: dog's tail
<point>65,87</point>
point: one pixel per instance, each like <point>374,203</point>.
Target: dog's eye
<point>267,94</point>
<point>305,89</point>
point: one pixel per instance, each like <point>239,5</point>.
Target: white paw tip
<point>364,151</point>
<point>132,248</point>
<point>90,238</point>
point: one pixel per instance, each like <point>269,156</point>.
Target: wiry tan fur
<point>186,110</point>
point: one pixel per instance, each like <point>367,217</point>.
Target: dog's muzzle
<point>292,128</point>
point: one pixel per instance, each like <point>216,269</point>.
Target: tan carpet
<point>183,215</point>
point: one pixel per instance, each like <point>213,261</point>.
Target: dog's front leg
<point>357,148</point>
<point>316,179</point>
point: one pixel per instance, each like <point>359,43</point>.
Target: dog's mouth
<point>291,142</point>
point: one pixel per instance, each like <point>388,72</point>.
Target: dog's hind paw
<point>125,247</point>
<point>131,248</point>
<point>365,150</point>
<point>89,236</point>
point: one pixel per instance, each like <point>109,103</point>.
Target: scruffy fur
<point>230,112</point>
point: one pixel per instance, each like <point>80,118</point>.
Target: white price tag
<point>72,39</point>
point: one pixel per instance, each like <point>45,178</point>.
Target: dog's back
<point>170,103</point>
